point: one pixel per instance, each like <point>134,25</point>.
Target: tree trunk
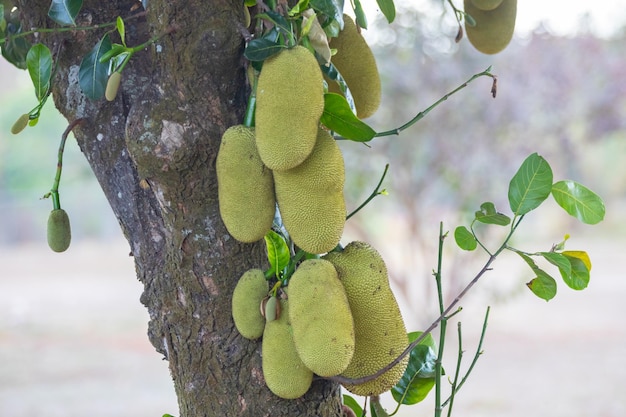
<point>153,151</point>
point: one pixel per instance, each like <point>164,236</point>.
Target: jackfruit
<point>323,331</point>
<point>310,197</point>
<point>113,84</point>
<point>356,63</point>
<point>20,124</point>
<point>380,334</point>
<point>250,290</point>
<point>289,104</point>
<point>486,4</point>
<point>494,28</point>
<point>245,186</point>
<point>59,230</point>
<point>285,374</point>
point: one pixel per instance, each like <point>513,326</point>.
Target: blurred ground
<point>73,341</point>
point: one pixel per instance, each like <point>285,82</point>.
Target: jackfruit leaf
<point>419,377</point>
<point>352,404</point>
<point>543,285</point>
<point>338,117</point>
<point>300,7</point>
<point>39,63</point>
<point>277,252</point>
<point>316,35</point>
<point>388,9</point>
<point>331,8</point>
<point>3,22</point>
<point>531,185</point>
<point>361,19</point>
<point>581,267</point>
<point>489,215</point>
<point>465,239</point>
<point>93,74</point>
<point>250,3</point>
<point>278,20</point>
<point>121,29</point>
<point>14,49</point>
<point>579,201</point>
<point>561,262</point>
<point>376,408</point>
<point>261,49</point>
<point>64,12</point>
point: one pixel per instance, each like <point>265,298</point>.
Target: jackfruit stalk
<point>494,28</point>
<point>245,186</point>
<point>380,334</point>
<point>250,290</point>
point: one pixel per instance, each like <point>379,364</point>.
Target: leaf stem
<point>444,323</point>
<point>457,370</point>
<point>374,193</point>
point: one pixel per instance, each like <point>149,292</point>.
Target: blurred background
<point>73,333</point>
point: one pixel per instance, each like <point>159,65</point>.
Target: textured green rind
<point>59,230</point>
<point>356,63</point>
<point>310,197</point>
<point>380,333</point>
<point>245,186</point>
<point>285,374</point>
<point>289,104</point>
<point>494,28</point>
<point>250,290</point>
<point>486,4</point>
<point>323,330</point>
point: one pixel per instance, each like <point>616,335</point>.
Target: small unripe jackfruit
<point>323,330</point>
<point>250,290</point>
<point>494,28</point>
<point>20,124</point>
<point>356,63</point>
<point>486,4</point>
<point>310,197</point>
<point>113,84</point>
<point>289,104</point>
<point>245,186</point>
<point>380,334</point>
<point>59,231</point>
<point>285,374</point>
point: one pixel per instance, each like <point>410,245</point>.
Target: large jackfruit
<point>356,63</point>
<point>59,230</point>
<point>380,334</point>
<point>245,186</point>
<point>285,374</point>
<point>250,290</point>
<point>494,28</point>
<point>323,330</point>
<point>289,104</point>
<point>310,197</point>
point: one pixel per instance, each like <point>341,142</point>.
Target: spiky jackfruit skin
<point>285,374</point>
<point>356,63</point>
<point>486,4</point>
<point>289,104</point>
<point>310,197</point>
<point>494,28</point>
<point>59,230</point>
<point>245,186</point>
<point>380,333</point>
<point>323,330</point>
<point>250,290</point>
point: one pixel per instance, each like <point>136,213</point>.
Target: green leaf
<point>581,266</point>
<point>331,8</point>
<point>543,285</point>
<point>561,262</point>
<point>261,49</point>
<point>116,49</point>
<point>388,9</point>
<point>3,22</point>
<point>39,63</point>
<point>419,377</point>
<point>489,215</point>
<point>531,185</point>
<point>361,19</point>
<point>579,201</point>
<point>582,255</point>
<point>15,49</point>
<point>279,21</point>
<point>465,239</point>
<point>339,118</point>
<point>350,402</point>
<point>119,23</point>
<point>250,3</point>
<point>64,12</point>
<point>93,75</point>
<point>376,408</point>
<point>277,252</point>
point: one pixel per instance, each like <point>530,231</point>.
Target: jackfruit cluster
<point>494,27</point>
<point>59,230</point>
<point>249,292</point>
<point>379,330</point>
<point>245,186</point>
<point>356,63</point>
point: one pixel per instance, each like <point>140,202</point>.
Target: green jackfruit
<point>356,63</point>
<point>59,230</point>
<point>323,330</point>
<point>250,290</point>
<point>285,374</point>
<point>494,28</point>
<point>113,84</point>
<point>486,4</point>
<point>245,186</point>
<point>289,104</point>
<point>380,334</point>
<point>20,124</point>
<point>310,197</point>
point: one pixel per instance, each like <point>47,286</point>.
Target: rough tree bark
<point>153,151</point>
